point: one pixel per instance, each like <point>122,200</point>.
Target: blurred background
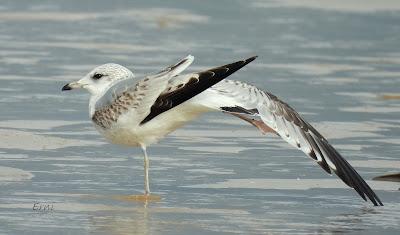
<point>336,62</point>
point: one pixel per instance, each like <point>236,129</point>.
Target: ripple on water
<point>10,174</point>
<point>291,184</point>
<point>22,140</point>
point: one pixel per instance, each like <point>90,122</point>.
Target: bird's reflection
<point>136,221</point>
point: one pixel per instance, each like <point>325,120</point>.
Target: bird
<point>138,112</point>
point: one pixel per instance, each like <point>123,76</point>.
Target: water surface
<point>337,63</point>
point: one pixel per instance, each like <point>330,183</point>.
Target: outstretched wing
<point>184,87</point>
<point>243,100</point>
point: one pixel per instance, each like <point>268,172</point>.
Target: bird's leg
<point>146,172</point>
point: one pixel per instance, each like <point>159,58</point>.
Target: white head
<point>101,78</point>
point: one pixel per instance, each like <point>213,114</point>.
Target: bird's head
<point>100,78</point>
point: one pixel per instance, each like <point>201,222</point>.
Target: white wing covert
<point>148,89</point>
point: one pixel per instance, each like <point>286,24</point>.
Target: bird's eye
<point>97,76</point>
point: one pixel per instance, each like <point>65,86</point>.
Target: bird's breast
<point>126,130</point>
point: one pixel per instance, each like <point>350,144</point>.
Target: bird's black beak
<point>66,87</point>
<point>72,85</point>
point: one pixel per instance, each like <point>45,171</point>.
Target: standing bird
<point>133,112</point>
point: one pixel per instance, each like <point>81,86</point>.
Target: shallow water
<point>337,64</point>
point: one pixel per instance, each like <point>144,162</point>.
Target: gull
<point>139,112</point>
